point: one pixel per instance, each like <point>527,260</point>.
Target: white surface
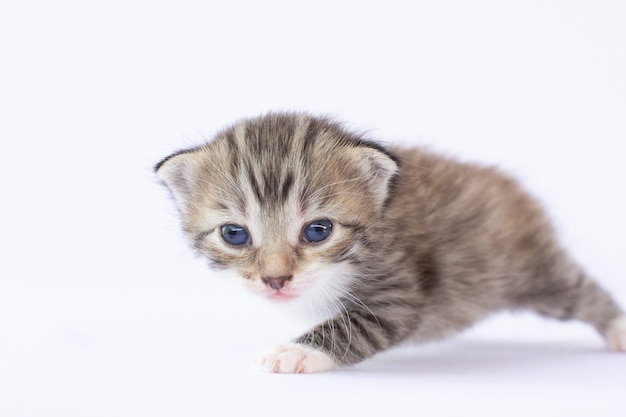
<point>104,312</point>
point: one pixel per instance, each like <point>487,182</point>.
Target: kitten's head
<point>290,202</point>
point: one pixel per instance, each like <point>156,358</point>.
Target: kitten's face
<point>286,201</point>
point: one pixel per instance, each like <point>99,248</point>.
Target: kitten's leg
<point>344,340</point>
<point>616,334</point>
<point>565,292</point>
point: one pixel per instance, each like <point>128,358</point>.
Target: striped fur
<point>421,246</point>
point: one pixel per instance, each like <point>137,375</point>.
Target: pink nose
<point>276,283</point>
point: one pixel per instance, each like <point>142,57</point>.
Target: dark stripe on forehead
<point>252,139</point>
<point>286,187</point>
<point>271,187</point>
<point>284,137</point>
<point>309,140</point>
<point>269,152</point>
<point>233,152</point>
<point>310,137</point>
<point>277,187</point>
<point>271,135</point>
<point>254,183</point>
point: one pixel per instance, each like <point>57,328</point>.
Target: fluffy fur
<point>421,246</point>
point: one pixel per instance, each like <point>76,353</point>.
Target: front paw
<point>294,358</point>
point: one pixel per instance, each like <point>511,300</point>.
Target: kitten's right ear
<point>177,172</point>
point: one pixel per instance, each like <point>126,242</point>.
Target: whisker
<point>351,296</point>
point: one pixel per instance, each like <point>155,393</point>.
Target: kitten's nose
<point>276,283</point>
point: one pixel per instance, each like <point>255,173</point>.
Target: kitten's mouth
<point>281,296</point>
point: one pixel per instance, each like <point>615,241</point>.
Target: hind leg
<point>565,292</point>
<point>616,334</point>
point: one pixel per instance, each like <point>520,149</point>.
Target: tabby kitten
<point>402,243</point>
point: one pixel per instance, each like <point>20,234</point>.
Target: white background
<point>103,311</point>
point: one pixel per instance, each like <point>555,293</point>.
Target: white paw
<point>294,358</point>
<point>616,334</point>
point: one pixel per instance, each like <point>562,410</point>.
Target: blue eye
<point>317,231</point>
<point>235,235</point>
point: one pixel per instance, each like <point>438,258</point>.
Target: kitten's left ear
<point>379,167</point>
<point>177,172</point>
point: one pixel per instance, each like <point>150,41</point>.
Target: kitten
<point>405,244</point>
